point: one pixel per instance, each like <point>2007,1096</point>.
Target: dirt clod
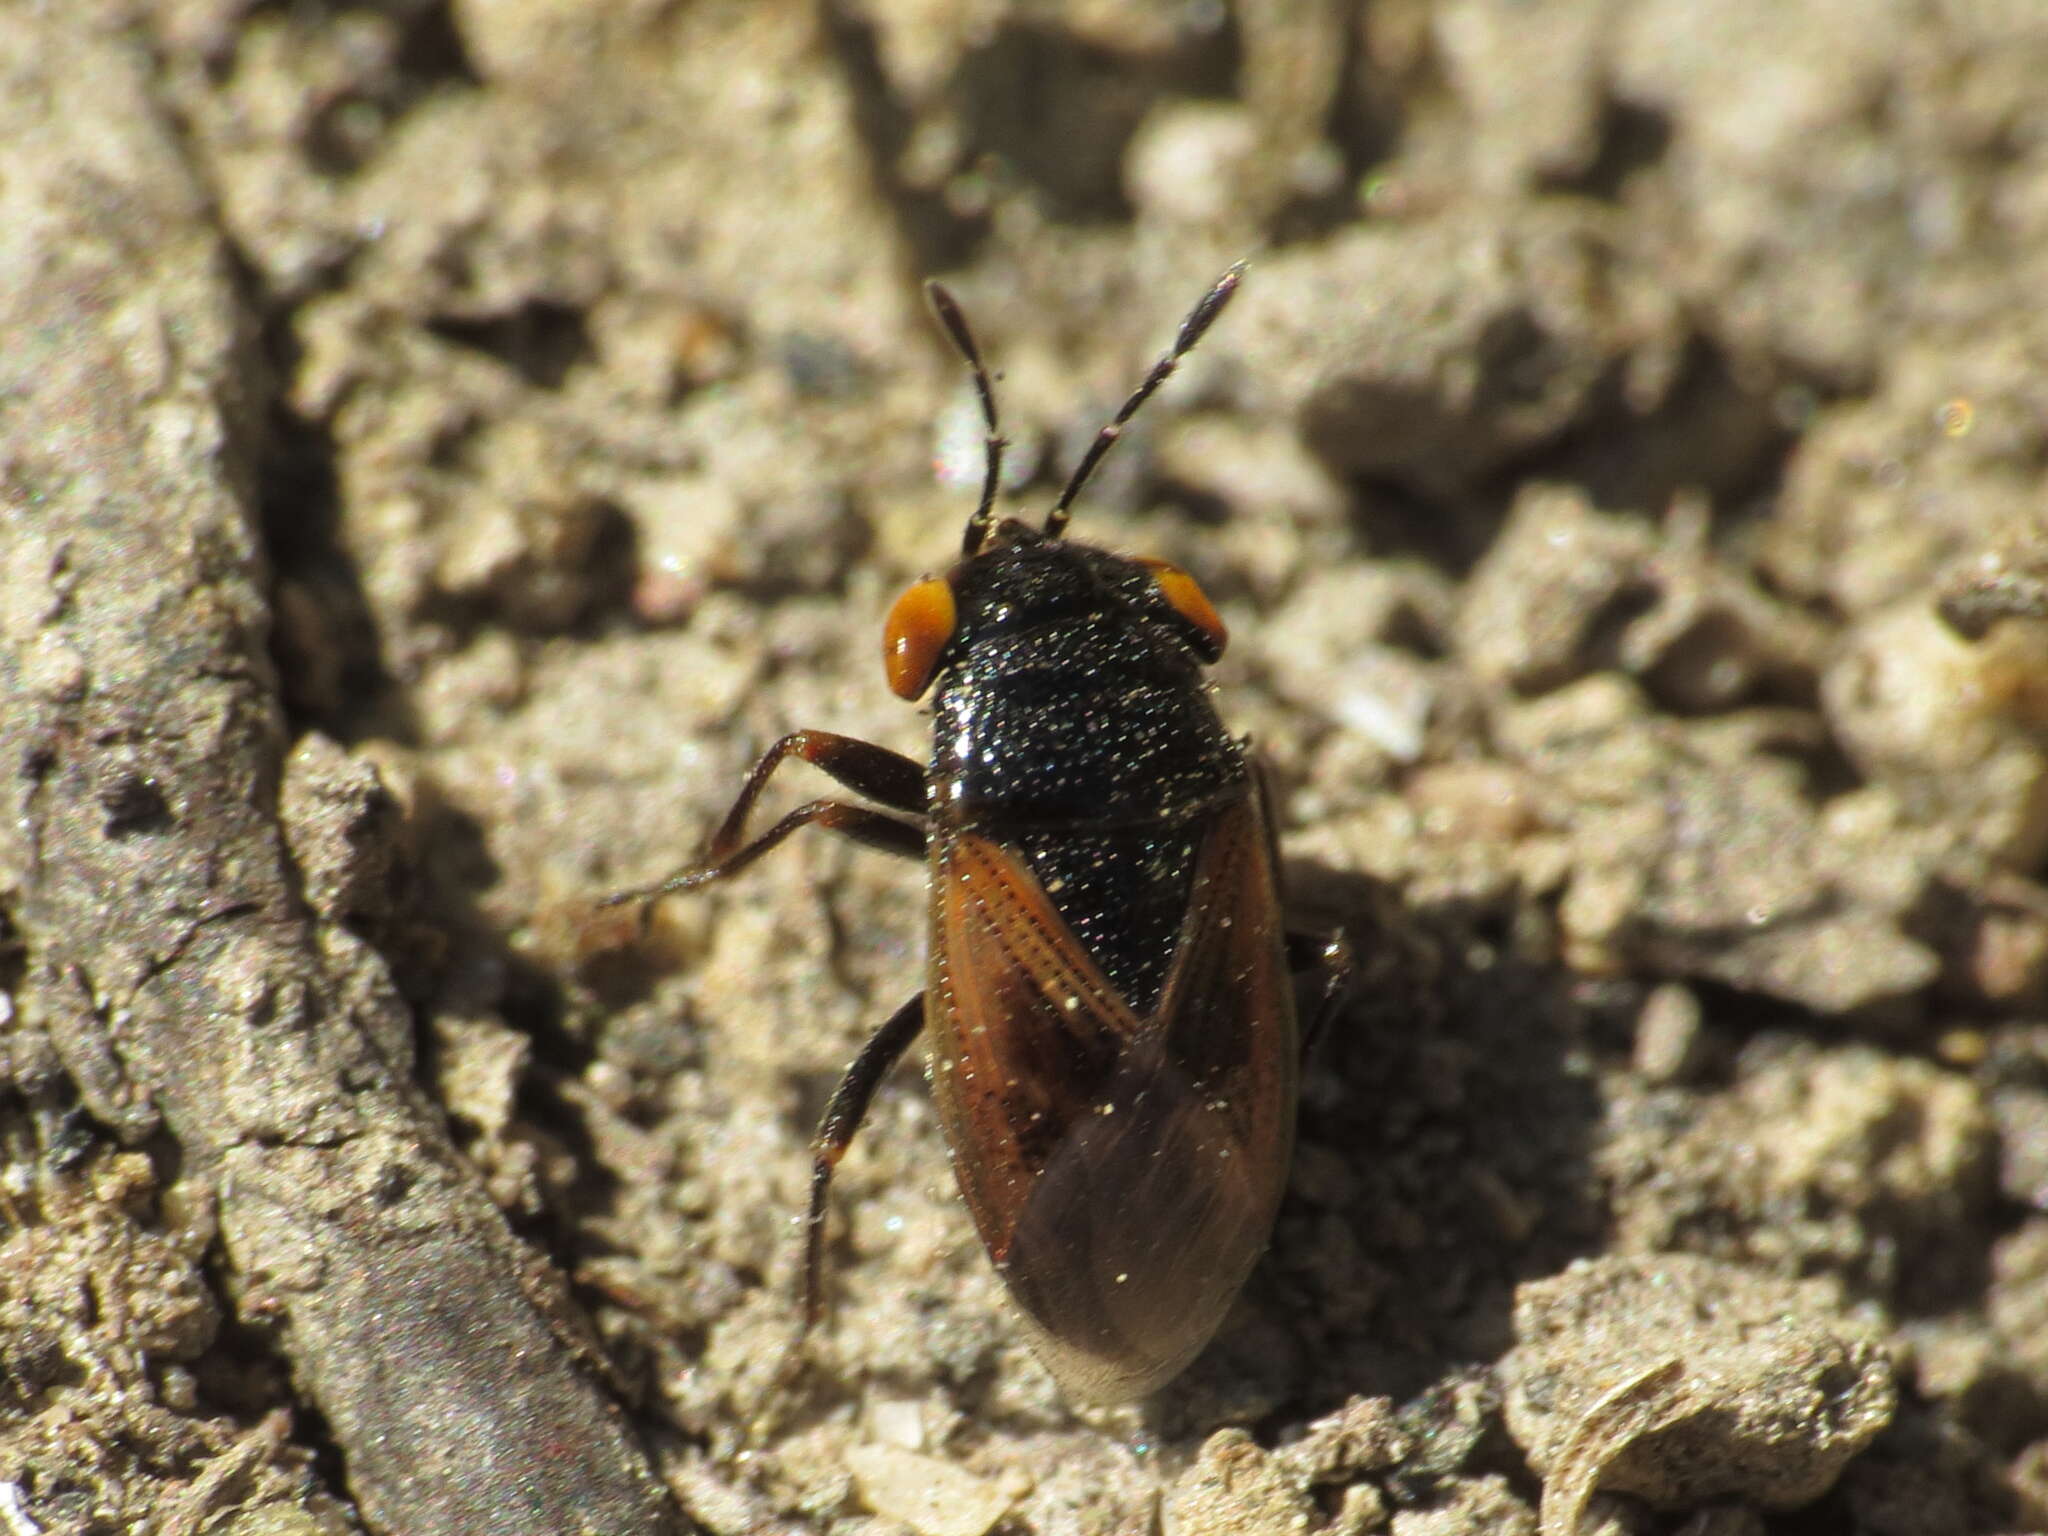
<point>1680,1380</point>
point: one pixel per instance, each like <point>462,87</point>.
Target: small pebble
<point>1668,1035</point>
<point>932,1497</point>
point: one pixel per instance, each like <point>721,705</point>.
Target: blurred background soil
<point>1621,474</point>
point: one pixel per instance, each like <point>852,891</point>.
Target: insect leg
<point>837,1129</point>
<point>1331,954</point>
<point>887,777</point>
<point>872,828</point>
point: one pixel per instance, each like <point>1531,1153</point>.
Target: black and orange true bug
<point>1109,995</point>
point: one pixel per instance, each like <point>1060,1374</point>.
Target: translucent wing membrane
<point>1123,1172</point>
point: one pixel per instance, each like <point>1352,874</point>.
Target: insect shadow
<point>1444,1155</point>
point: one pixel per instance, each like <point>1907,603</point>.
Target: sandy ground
<point>1621,474</point>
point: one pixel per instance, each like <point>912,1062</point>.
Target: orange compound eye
<point>919,625</point>
<point>1190,602</point>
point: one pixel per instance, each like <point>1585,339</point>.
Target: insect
<point>1109,998</point>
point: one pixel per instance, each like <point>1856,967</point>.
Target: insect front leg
<point>836,1130</point>
<point>886,777</point>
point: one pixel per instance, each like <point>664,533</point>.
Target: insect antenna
<point>1199,319</point>
<point>955,321</point>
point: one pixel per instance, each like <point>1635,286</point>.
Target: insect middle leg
<point>836,1130</point>
<point>888,778</point>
